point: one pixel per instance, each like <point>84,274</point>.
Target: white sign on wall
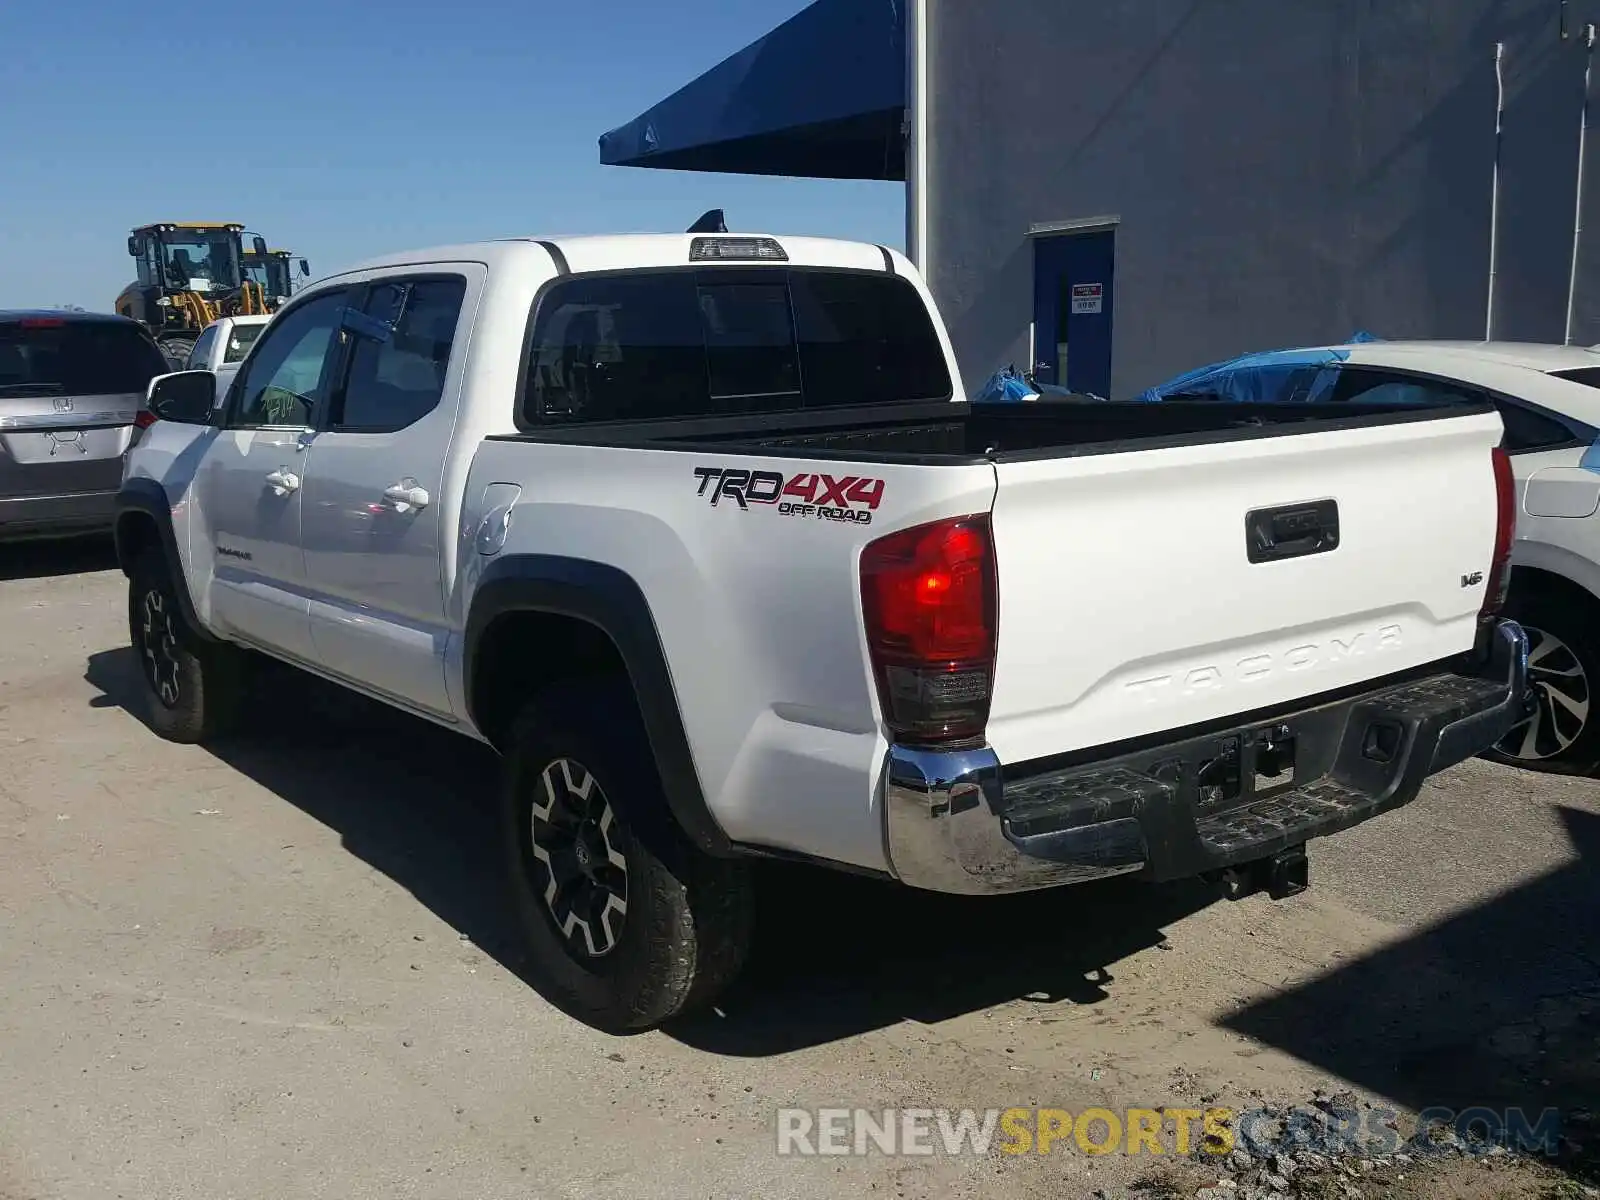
<point>1087,297</point>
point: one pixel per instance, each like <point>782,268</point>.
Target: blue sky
<point>346,129</point>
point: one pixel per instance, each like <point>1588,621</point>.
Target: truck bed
<point>1161,565</point>
<point>958,433</point>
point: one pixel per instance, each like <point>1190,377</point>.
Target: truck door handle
<point>283,481</point>
<point>1291,530</point>
<point>406,495</point>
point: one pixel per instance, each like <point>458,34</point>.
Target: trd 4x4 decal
<point>851,498</point>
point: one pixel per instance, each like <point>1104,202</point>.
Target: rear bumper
<point>955,823</point>
<point>49,516</point>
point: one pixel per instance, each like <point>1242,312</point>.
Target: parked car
<point>695,531</point>
<point>1547,396</point>
<point>222,346</point>
<point>71,387</point>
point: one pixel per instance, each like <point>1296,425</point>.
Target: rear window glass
<point>43,357</point>
<point>684,343</point>
<point>240,341</point>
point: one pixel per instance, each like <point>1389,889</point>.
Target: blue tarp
<point>1253,377</point>
<point>821,96</point>
<point>1005,386</point>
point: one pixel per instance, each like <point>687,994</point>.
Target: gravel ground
<point>280,967</point>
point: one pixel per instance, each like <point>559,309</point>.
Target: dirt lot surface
<point>280,968</point>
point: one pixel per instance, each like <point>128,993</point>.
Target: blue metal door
<point>1072,279</point>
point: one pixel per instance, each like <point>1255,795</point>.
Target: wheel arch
<point>537,620</point>
<point>143,522</point>
<point>1529,579</point>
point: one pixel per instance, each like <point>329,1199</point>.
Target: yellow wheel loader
<point>273,273</point>
<point>189,274</point>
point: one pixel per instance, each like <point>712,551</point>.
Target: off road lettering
<point>847,499</point>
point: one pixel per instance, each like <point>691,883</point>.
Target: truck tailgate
<point>1130,604</point>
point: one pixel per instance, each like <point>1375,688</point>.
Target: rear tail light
<point>929,598</point>
<point>1505,488</point>
<point>143,419</point>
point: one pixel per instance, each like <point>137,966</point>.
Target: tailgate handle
<point>1291,530</point>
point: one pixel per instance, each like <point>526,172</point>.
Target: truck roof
<point>610,252</point>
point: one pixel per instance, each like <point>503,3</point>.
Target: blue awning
<point>821,96</point>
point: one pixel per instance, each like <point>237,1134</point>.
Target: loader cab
<point>202,258</point>
<point>274,274</point>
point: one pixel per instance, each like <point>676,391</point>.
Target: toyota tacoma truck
<point>699,534</point>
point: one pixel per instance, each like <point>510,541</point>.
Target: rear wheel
<point>627,924</point>
<point>1563,734</point>
<point>189,689</point>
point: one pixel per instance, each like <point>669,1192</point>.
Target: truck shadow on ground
<point>66,556</point>
<point>1495,1007</point>
<point>835,955</point>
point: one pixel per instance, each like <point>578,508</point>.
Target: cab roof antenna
<point>710,222</point>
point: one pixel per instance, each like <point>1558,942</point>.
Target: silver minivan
<point>72,387</point>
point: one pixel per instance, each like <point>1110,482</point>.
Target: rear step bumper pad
<point>954,823</point>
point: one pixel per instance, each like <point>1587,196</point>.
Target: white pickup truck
<point>697,532</point>
<point>221,347</point>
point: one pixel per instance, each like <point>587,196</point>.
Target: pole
<point>917,133</point>
<point>1494,193</point>
<point>1577,217</point>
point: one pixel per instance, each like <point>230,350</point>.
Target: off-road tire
<point>686,928</point>
<point>177,350</point>
<point>188,689</point>
<point>1564,672</point>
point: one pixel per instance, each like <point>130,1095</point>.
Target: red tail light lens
<point>1505,488</point>
<point>143,419</point>
<point>928,595</point>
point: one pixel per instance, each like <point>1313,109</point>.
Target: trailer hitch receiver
<point>1286,873</point>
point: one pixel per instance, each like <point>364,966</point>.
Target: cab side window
<point>398,358</point>
<point>288,376</point>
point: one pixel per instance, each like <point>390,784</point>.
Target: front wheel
<point>626,923</point>
<point>190,690</point>
<point>1563,734</point>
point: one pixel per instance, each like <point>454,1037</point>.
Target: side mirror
<point>259,245</point>
<point>183,397</point>
<point>363,325</point>
<point>305,267</point>
<point>135,245</point>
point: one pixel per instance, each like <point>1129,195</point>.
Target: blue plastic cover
<point>821,96</point>
<point>1005,386</point>
<point>1260,377</point>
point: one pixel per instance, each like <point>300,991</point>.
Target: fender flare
<point>147,498</point>
<point>611,601</point>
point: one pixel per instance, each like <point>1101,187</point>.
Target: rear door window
<point>1363,385</point>
<point>48,356</point>
<point>396,380</point>
<point>718,342</point>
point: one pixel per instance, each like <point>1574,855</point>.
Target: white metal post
<point>917,133</point>
<point>1577,218</point>
<point>1494,195</point>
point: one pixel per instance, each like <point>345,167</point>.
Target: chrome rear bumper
<point>954,823</point>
